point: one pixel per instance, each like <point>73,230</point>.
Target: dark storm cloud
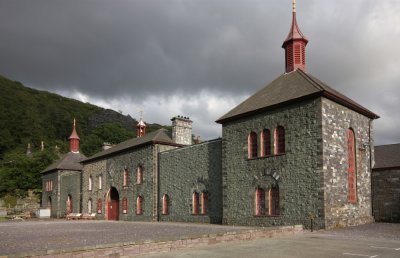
<point>148,48</point>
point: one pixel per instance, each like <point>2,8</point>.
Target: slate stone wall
<point>297,173</point>
<point>70,184</point>
<point>112,169</point>
<point>51,176</point>
<point>386,195</point>
<point>185,170</point>
<point>65,182</point>
<point>336,120</point>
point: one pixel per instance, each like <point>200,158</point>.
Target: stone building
<point>61,181</point>
<point>296,150</point>
<point>386,183</point>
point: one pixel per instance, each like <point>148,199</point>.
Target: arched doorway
<point>69,205</point>
<point>112,204</point>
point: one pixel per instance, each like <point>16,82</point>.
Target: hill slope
<point>31,116</point>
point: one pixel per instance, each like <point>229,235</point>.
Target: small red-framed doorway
<point>112,204</point>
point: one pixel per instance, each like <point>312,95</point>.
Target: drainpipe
<point>370,166</point>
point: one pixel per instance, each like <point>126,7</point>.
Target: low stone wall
<point>131,249</point>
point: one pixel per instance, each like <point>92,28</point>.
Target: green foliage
<point>10,201</point>
<point>31,116</point>
<point>20,172</point>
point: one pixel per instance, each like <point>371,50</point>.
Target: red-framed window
<point>139,205</point>
<point>352,173</point>
<point>139,175</point>
<point>280,140</point>
<point>259,202</point>
<point>126,178</point>
<point>99,206</point>
<point>252,145</point>
<point>124,205</point>
<point>266,142</point>
<point>204,203</point>
<point>273,204</point>
<point>165,204</point>
<point>195,203</point>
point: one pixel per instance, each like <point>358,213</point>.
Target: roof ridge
<point>313,82</point>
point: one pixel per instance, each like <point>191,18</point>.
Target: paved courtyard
<point>31,236</point>
<point>374,241</point>
<point>369,241</point>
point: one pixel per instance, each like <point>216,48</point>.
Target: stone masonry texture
<point>336,120</point>
<point>386,195</point>
<point>65,182</point>
<point>112,170</point>
<point>185,170</point>
<point>297,172</point>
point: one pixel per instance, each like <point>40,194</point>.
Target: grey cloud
<point>142,48</point>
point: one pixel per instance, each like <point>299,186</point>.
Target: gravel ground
<point>29,236</point>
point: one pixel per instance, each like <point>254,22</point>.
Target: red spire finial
<point>141,126</point>
<point>74,140</point>
<point>295,46</point>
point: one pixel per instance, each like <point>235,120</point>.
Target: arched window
<point>195,203</point>
<point>252,145</point>
<point>273,205</point>
<point>139,175</point>
<point>139,205</point>
<point>100,182</point>
<point>204,203</point>
<point>99,206</point>
<point>126,178</point>
<point>89,206</point>
<point>279,140</point>
<point>260,202</point>
<point>352,173</point>
<point>124,205</point>
<point>90,183</point>
<point>266,142</point>
<point>69,204</point>
<point>165,204</point>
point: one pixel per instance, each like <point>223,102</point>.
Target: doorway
<point>112,204</point>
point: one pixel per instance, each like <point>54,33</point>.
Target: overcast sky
<point>200,58</point>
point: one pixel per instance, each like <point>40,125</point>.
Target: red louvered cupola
<point>295,46</point>
<point>74,140</point>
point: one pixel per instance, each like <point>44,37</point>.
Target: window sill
<point>266,157</point>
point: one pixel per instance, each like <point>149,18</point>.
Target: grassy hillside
<point>31,116</point>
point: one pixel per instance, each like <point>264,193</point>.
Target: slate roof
<point>387,156</point>
<point>290,88</point>
<point>69,161</point>
<point>159,136</point>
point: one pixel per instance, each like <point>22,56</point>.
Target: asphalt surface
<point>31,236</point>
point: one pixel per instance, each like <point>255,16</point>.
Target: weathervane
<point>140,113</point>
<point>294,6</point>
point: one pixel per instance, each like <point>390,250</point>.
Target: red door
<point>113,210</point>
